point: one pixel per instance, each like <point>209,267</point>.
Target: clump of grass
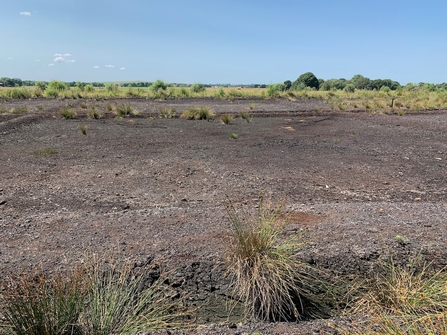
<point>401,290</point>
<point>40,304</point>
<point>246,117</point>
<point>93,113</point>
<point>3,109</point>
<point>101,297</point>
<point>122,300</point>
<point>68,113</point>
<point>234,136</point>
<point>83,128</point>
<point>198,113</point>
<point>227,118</point>
<point>403,299</point>
<point>20,110</point>
<point>83,105</point>
<point>167,113</point>
<point>126,110</point>
<point>109,107</point>
<point>44,152</point>
<point>263,269</point>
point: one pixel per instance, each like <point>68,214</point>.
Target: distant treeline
<point>305,81</point>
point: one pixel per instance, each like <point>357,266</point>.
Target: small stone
<point>2,201</point>
<point>417,199</point>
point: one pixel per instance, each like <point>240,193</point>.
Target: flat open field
<point>148,188</point>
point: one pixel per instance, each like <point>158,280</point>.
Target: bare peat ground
<point>155,189</point>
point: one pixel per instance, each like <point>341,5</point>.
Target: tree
<point>288,85</point>
<point>307,79</point>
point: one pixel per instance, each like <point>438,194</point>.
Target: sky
<point>226,41</point>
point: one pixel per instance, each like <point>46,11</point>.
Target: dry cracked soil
<point>150,188</point>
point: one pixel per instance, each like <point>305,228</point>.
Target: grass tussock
<point>100,297</point>
<point>198,113</point>
<point>167,113</point>
<point>126,110</point>
<point>402,300</point>
<point>226,118</point>
<point>83,129</point>
<point>68,113</point>
<point>264,271</point>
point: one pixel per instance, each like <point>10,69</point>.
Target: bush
<point>89,88</point>
<point>349,88</point>
<point>42,85</point>
<point>167,113</point>
<point>57,85</point>
<point>158,85</point>
<point>275,89</point>
<point>197,88</point>
<point>198,113</point>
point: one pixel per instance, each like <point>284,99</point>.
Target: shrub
<point>111,88</point>
<point>20,93</point>
<point>233,136</point>
<point>220,93</point>
<point>198,113</point>
<point>262,267</point>
<point>89,88</point>
<point>275,89</point>
<point>158,85</point>
<point>42,85</point>
<point>197,88</point>
<point>349,88</point>
<point>57,85</point>
<point>183,92</point>
<point>68,113</point>
<point>226,118</point>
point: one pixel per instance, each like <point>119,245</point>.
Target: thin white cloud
<point>37,60</point>
<point>70,61</point>
<point>51,64</point>
<point>59,59</point>
<point>67,55</point>
<point>110,66</point>
<point>25,13</point>
<point>96,67</point>
<point>123,68</point>
<point>10,58</point>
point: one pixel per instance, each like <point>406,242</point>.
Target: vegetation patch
<point>68,113</point>
<point>226,118</point>
<point>100,297</point>
<point>263,269</point>
<point>198,113</point>
<point>44,152</point>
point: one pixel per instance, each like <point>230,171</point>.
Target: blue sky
<point>229,41</point>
